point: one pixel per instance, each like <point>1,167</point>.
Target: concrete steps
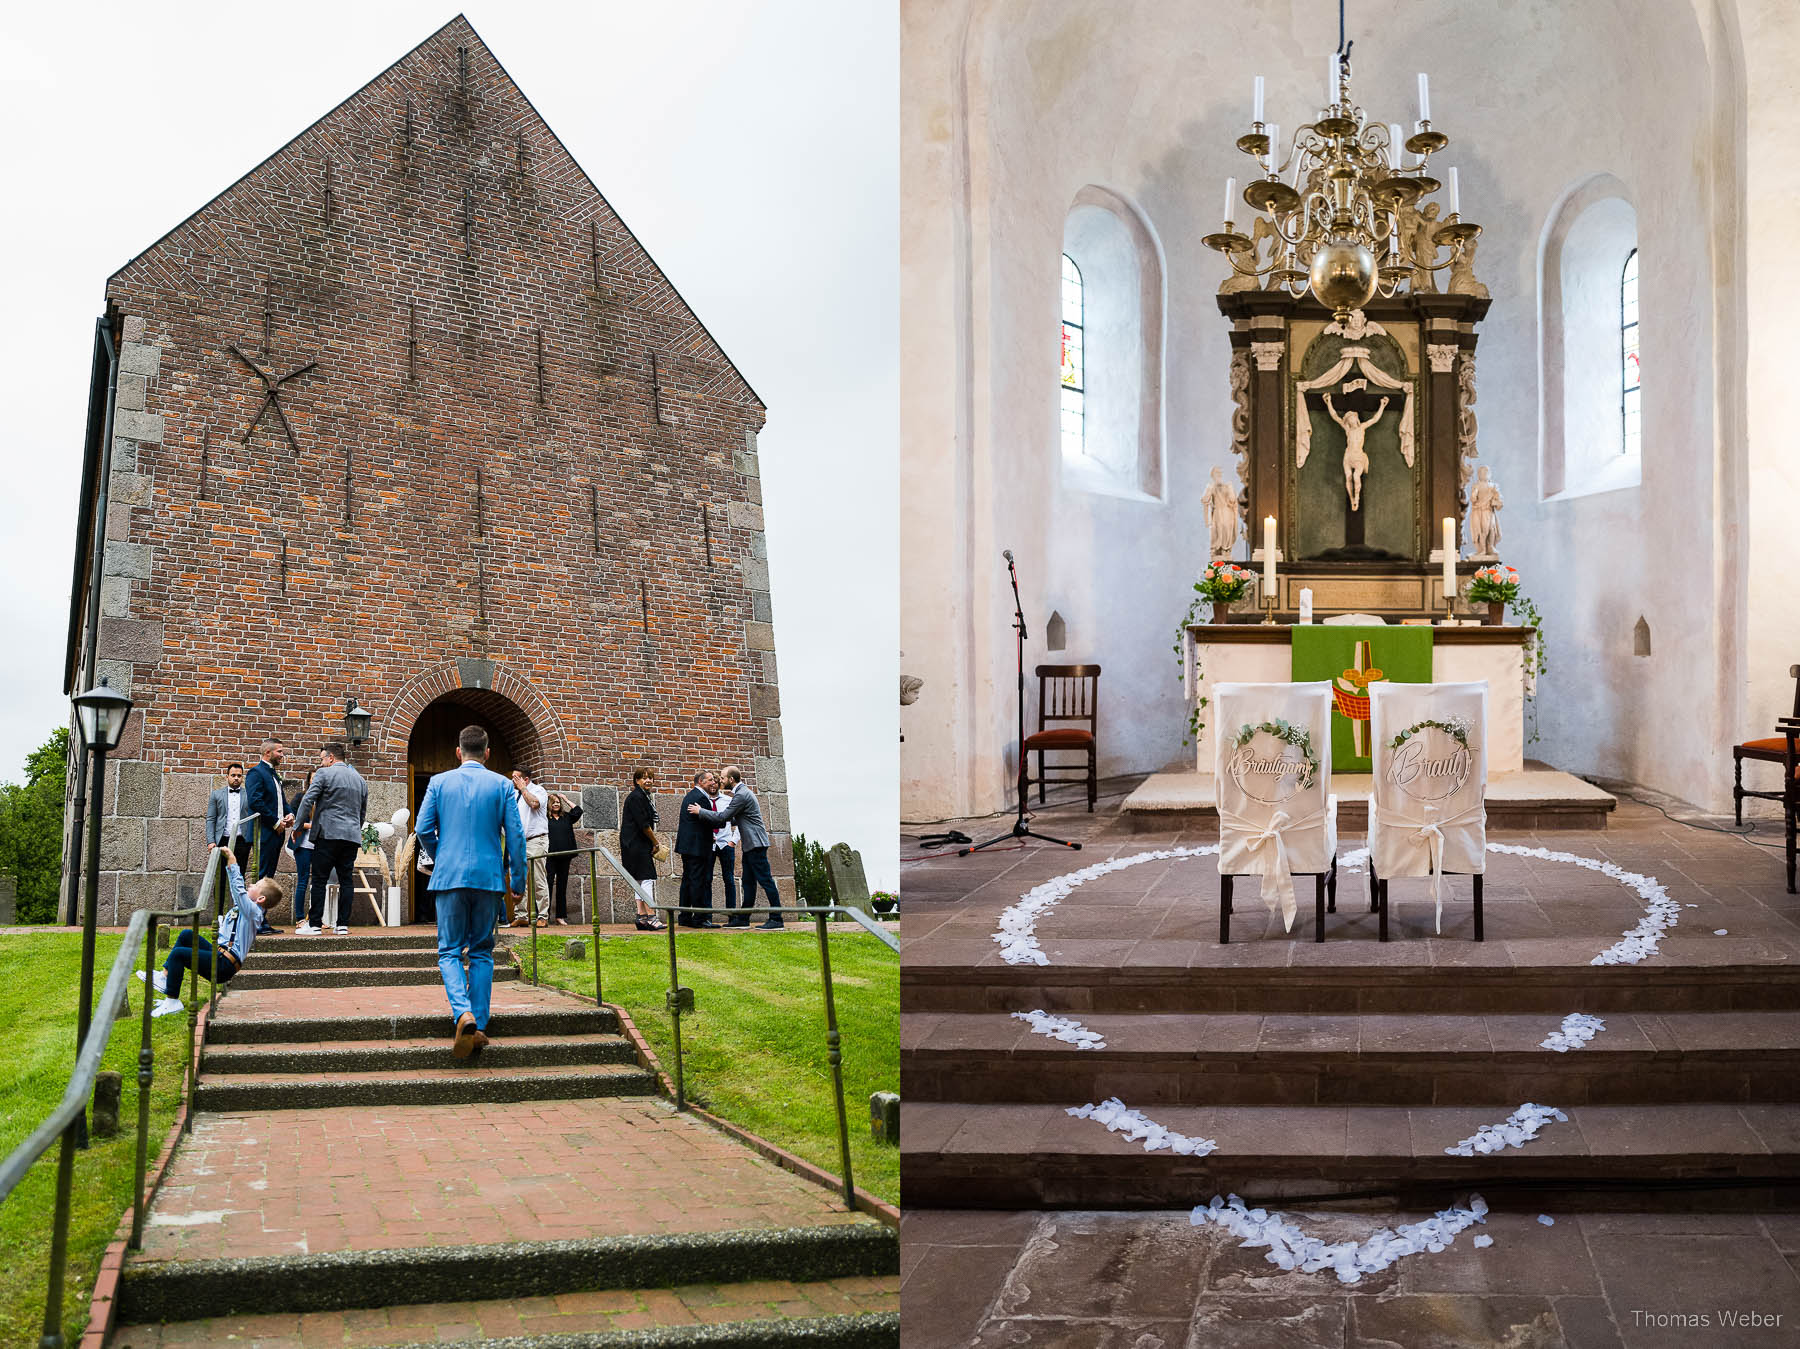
<point>327,958</point>
<point>965,1155</point>
<point>309,1032</point>
<point>407,1055</point>
<point>460,1085</point>
<point>340,975</point>
<point>360,939</point>
<point>1280,1059</point>
<point>865,1330</point>
<point>152,1294</point>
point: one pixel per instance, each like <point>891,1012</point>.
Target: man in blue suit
<point>263,798</point>
<point>465,821</point>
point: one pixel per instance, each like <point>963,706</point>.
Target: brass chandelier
<point>1346,216</point>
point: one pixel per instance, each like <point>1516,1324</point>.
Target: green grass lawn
<point>754,1051</point>
<point>40,978</point>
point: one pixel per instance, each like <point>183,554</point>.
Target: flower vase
<point>1221,611</point>
<point>1496,614</point>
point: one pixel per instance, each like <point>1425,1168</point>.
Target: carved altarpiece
<point>1399,376</point>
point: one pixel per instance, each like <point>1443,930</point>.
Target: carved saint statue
<point>1484,517</point>
<point>1221,507</point>
<point>1423,232</point>
<point>1462,272</point>
<point>1356,462</point>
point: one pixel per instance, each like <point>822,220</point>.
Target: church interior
<point>1287,356</point>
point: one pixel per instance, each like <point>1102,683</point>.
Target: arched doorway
<point>431,749</point>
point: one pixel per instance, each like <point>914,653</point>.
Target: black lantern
<point>356,721</point>
<point>101,713</point>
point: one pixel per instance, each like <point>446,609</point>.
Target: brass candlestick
<point>1268,611</point>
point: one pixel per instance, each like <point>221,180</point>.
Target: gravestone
<point>106,1104</point>
<point>849,887</point>
<point>884,1117</point>
<point>9,898</point>
<point>575,949</point>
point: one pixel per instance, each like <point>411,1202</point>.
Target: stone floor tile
<point>1453,1321</point>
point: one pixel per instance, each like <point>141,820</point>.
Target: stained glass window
<point>1628,354</point>
<point>1073,362</point>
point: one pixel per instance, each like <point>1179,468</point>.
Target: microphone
<point>1006,553</point>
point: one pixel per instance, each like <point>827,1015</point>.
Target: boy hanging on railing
<point>237,934</point>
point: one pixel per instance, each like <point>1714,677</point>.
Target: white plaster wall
<point>1771,49</point>
<point>1010,108</point>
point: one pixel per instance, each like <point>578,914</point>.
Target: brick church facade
<point>408,415</point>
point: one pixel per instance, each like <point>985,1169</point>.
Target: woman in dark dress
<point>637,844</point>
<point>563,814</point>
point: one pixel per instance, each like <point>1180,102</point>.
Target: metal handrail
<point>70,1114</point>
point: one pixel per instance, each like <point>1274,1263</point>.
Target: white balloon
<point>384,831</point>
<point>400,817</point>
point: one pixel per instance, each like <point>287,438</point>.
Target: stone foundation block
<point>775,742</point>
<point>771,774</point>
<point>115,597</point>
<point>144,426</point>
<point>131,392</point>
<point>139,640</point>
<point>765,700</point>
<point>139,358</point>
<point>384,799</point>
<point>600,808</point>
<point>167,845</point>
<point>140,787</point>
<point>756,575</point>
<point>145,890</point>
<point>122,843</point>
<point>759,636</point>
<point>775,812</point>
<point>186,794</point>
<point>744,515</point>
<point>128,559</point>
<point>762,608</point>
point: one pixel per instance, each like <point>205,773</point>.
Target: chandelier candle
<point>1257,101</point>
<point>1230,200</point>
<point>1424,98</point>
<point>1455,194</point>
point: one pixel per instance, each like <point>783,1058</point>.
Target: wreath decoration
<point>1297,736</point>
<point>1457,729</point>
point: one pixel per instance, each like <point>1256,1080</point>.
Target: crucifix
<point>271,394</point>
<point>1354,408</point>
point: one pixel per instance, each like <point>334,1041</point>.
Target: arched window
<point>1074,371</point>
<point>1628,354</point>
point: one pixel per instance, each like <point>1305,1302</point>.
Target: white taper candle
<point>1274,145</point>
<point>1268,558</point>
<point>1257,101</point>
<point>1331,79</point>
<point>1424,98</point>
<point>1455,194</point>
<point>1398,147</point>
<point>1449,559</point>
<point>1229,214</point>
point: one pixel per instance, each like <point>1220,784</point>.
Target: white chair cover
<point>1428,812</point>
<point>1276,812</point>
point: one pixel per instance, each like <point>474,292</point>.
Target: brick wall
<point>519,453</point>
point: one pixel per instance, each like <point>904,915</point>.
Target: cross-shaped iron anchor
<point>271,395</point>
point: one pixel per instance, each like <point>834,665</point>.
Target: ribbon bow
<point>1431,829</point>
<point>1258,836</point>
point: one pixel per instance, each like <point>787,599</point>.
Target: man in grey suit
<point>225,814</point>
<point>337,803</point>
<point>743,811</point>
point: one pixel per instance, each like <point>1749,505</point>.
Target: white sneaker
<point>168,1007</point>
<point>158,980</point>
<point>307,930</point>
<point>342,931</point>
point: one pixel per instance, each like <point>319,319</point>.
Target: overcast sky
<point>751,144</point>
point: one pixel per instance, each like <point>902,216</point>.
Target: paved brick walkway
<point>566,1314</point>
<point>305,1181</point>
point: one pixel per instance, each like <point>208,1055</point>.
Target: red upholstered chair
<point>1769,749</point>
<point>1066,693</point>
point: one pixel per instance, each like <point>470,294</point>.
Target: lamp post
<point>100,714</point>
<point>356,721</point>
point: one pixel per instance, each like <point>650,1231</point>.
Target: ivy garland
<point>1456,730</point>
<point>1535,664</point>
<point>1194,724</point>
<point>1297,736</point>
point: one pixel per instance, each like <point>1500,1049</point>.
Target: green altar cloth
<point>1394,652</point>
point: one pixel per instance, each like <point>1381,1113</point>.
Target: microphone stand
<point>1020,828</point>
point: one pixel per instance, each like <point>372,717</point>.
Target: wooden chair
<point>1769,749</point>
<point>1790,802</point>
<point>1066,693</point>
<point>1277,816</point>
<point>1428,811</point>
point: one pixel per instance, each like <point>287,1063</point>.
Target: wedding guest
<point>638,846</point>
<point>300,843</point>
<point>225,815</point>
<point>465,821</point>
<point>695,845</point>
<point>262,797</point>
<point>536,823</point>
<point>563,813</point>
<point>336,804</point>
<point>237,934</point>
<point>725,841</point>
<point>743,809</point>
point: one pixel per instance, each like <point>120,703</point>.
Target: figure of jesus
<point>1356,462</point>
<point>1220,504</point>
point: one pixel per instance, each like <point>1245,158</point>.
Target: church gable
<point>439,180</point>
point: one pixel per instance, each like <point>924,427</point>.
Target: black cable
<point>1734,831</point>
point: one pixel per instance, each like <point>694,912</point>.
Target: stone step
<point>455,1083</point>
<point>1466,979</point>
<point>1280,1059</point>
<point>299,1058</point>
<point>982,1155</point>
<point>341,977</point>
<point>510,1022</point>
<point>326,955</point>
<point>172,1291</point>
<point>360,939</point>
<point>769,1329</point>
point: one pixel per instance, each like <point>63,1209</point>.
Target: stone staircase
<point>1337,1078</point>
<point>346,1172</point>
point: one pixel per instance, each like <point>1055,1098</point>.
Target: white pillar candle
<point>1449,559</point>
<point>1230,201</point>
<point>1455,194</point>
<point>1268,557</point>
<point>1306,604</point>
<point>1257,101</point>
<point>1331,79</point>
<point>1424,98</point>
<point>1398,145</point>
